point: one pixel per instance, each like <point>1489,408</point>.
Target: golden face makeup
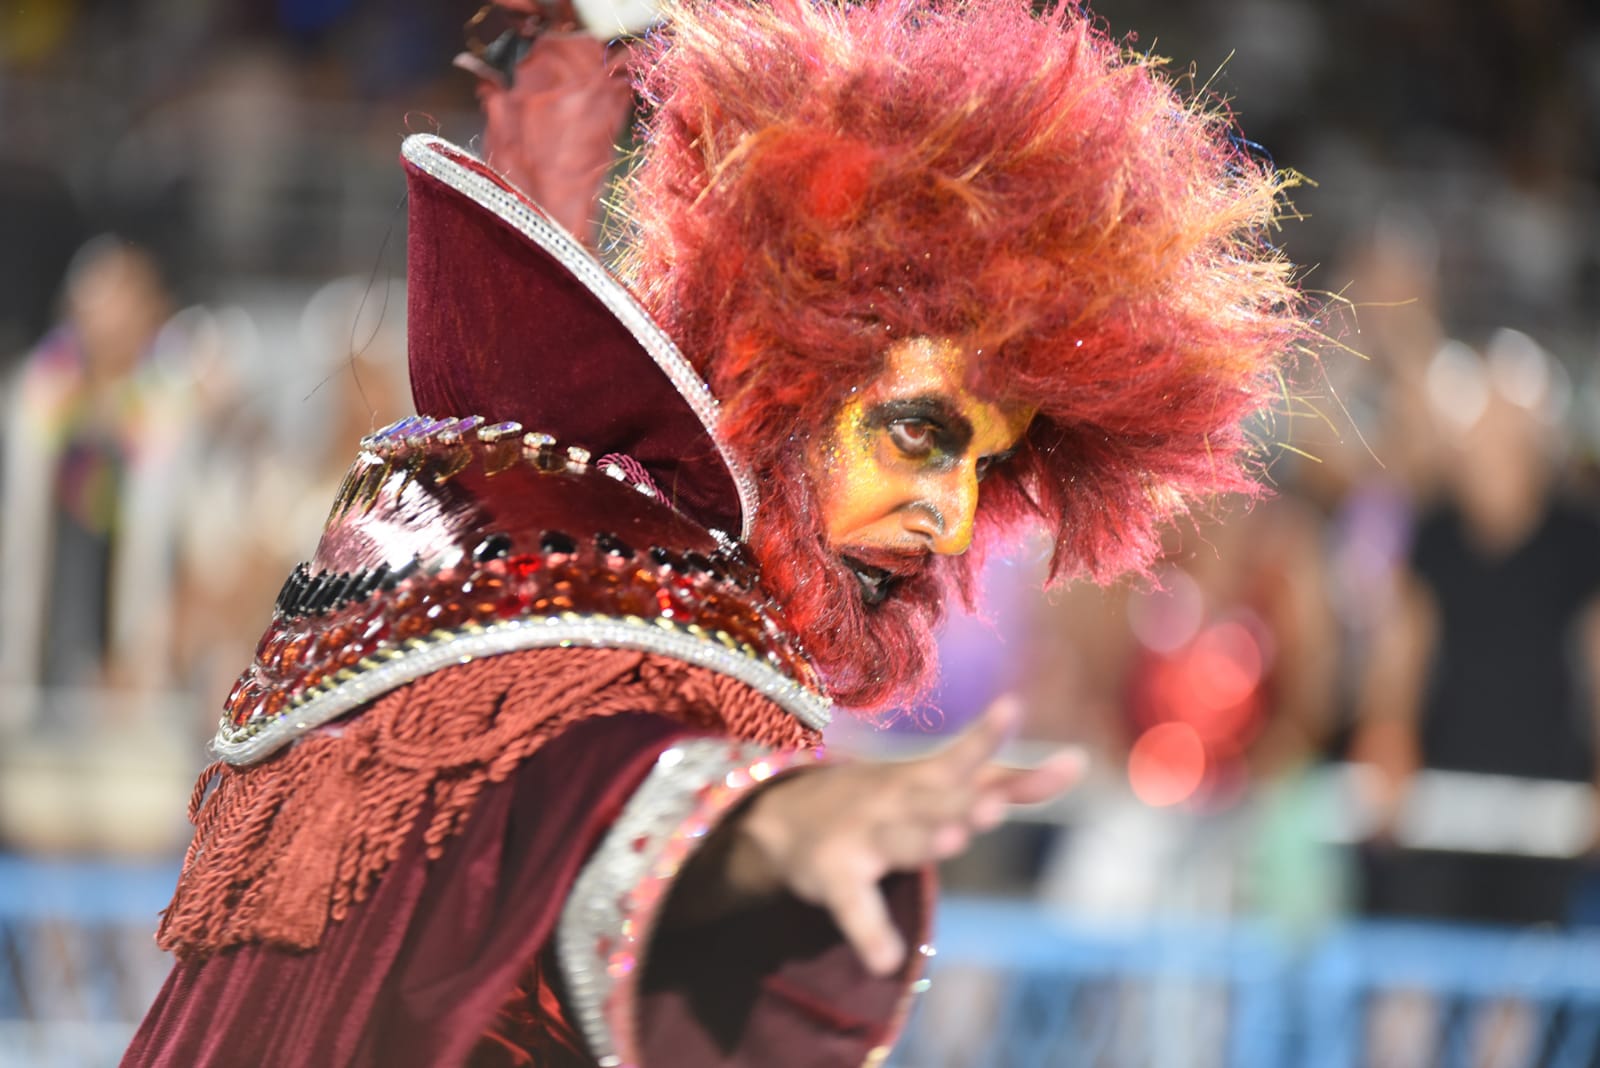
<point>898,475</point>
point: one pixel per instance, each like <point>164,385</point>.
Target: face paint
<point>897,477</point>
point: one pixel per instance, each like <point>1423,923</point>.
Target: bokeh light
<point>1167,764</point>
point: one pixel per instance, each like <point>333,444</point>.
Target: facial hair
<point>870,656</point>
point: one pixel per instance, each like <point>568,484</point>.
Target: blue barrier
<point>1013,985</point>
<point>89,891</point>
<point>1061,991</point>
<point>1057,991</point>
<point>1550,979</point>
<point>78,960</point>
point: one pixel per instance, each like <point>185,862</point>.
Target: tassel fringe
<point>283,848</point>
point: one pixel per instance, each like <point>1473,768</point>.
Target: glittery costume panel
<point>456,537</point>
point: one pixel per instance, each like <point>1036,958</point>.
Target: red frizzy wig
<point>822,179</point>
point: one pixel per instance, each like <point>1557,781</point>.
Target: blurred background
<point>1342,806</point>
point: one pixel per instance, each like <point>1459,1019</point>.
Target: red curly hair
<point>822,179</point>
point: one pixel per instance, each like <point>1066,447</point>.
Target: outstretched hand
<point>831,834</point>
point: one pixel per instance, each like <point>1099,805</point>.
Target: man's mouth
<point>877,582</point>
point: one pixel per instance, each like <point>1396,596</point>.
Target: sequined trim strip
<point>435,156</point>
<point>611,912</point>
<point>423,656</point>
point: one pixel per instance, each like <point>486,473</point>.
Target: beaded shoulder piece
<point>453,539</point>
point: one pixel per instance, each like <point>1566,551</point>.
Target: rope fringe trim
<point>279,851</point>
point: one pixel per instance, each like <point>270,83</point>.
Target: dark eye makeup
<point>916,438</point>
<point>921,426</point>
<point>922,423</point>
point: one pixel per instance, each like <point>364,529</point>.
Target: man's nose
<point>946,514</point>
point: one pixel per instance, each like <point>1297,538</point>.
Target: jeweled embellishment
<point>605,928</point>
<point>339,639</point>
<point>566,584</point>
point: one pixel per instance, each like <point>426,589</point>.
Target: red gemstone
<point>522,567</point>
<point>272,648</point>
<point>239,709</point>
<point>335,637</point>
<point>631,601</point>
<point>294,652</point>
<point>249,700</point>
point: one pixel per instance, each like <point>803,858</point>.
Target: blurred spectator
<point>93,439</point>
<point>231,441</point>
<point>1215,674</point>
<point>249,463</point>
<point>1233,653</point>
<point>1217,682</point>
<point>1373,448</point>
<point>1480,668</point>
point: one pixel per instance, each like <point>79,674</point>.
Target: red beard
<point>871,656</point>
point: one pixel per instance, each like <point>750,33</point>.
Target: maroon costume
<point>562,675</point>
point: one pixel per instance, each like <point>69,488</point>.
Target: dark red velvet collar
<point>512,319</point>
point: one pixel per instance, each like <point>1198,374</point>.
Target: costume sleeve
<point>418,970</point>
<point>774,984</point>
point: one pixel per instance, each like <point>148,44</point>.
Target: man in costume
<point>525,768</point>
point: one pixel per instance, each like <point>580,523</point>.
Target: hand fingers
<point>936,824</point>
<point>933,803</point>
<point>980,806</point>
<point>1000,787</point>
<point>906,844</point>
<point>973,749</point>
<point>1029,786</point>
<point>859,910</point>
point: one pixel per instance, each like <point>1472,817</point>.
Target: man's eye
<point>913,437</point>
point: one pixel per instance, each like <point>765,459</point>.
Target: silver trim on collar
<point>423,656</point>
<point>603,920</point>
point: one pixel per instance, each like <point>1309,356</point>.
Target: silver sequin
<point>597,913</point>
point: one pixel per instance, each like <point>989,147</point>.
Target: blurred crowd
<point>200,315</point>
